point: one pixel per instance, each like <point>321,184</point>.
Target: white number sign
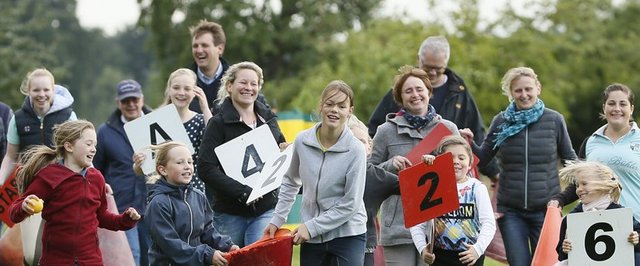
<point>600,237</point>
<point>243,157</point>
<point>271,176</point>
<point>154,128</point>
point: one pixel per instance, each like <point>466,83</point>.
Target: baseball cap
<point>128,88</point>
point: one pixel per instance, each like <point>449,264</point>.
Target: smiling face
<point>181,90</point>
<point>79,154</point>
<point>617,109</point>
<point>335,110</point>
<point>205,53</point>
<point>41,93</point>
<point>524,91</point>
<point>586,190</point>
<point>461,161</point>
<point>415,96</point>
<point>244,89</point>
<point>179,167</point>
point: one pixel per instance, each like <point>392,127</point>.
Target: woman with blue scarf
<point>529,140</point>
<point>396,137</point>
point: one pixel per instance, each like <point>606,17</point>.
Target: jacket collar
<point>342,145</point>
<point>403,126</point>
<point>231,115</point>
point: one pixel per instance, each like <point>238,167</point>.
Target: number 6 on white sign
<point>600,237</point>
<point>272,174</point>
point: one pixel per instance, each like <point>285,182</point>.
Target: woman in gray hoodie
<point>330,164</point>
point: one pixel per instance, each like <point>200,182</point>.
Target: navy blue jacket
<point>113,159</point>
<point>181,226</point>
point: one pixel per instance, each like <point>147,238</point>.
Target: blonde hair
<point>37,157</point>
<point>516,73</point>
<point>230,77</point>
<point>25,87</point>
<point>174,74</point>
<point>605,180</point>
<point>161,152</point>
<point>453,140</point>
<point>354,122</point>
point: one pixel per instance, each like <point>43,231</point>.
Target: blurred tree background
<point>577,47</point>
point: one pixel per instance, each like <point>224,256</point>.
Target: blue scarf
<point>418,122</point>
<point>516,121</point>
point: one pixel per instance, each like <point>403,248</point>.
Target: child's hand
<point>427,257</point>
<point>469,256</point>
<point>234,247</point>
<point>29,204</point>
<point>466,133</point>
<point>270,230</point>
<point>218,258</point>
<point>138,158</point>
<point>566,246</point>
<point>428,159</point>
<point>132,213</point>
<point>400,162</point>
<point>301,235</point>
<point>633,238</point>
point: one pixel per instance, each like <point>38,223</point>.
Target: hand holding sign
<point>600,237</point>
<point>154,128</point>
<point>428,191</point>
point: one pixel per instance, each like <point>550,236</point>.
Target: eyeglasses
<point>437,69</point>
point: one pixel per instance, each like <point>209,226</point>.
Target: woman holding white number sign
<point>240,113</point>
<point>598,189</point>
<point>329,162</point>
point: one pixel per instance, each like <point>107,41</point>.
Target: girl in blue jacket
<point>179,216</point>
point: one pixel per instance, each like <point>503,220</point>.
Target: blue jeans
<point>242,230</point>
<point>139,239</point>
<point>339,251</point>
<point>520,232</point>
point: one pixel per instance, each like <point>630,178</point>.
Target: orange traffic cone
<point>546,254</point>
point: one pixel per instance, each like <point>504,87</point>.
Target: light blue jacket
<point>333,186</point>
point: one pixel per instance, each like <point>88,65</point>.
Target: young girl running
<point>598,189</point>
<point>179,216</point>
<point>462,235</point>
<point>74,195</point>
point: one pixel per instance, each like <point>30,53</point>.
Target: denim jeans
<point>139,239</point>
<point>520,232</point>
<point>338,251</point>
<point>242,230</point>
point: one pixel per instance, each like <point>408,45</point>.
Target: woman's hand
<point>283,146</point>
<point>270,230</point>
<point>400,162</point>
<point>132,213</point>
<point>301,234</point>
<point>469,256</point>
<point>466,133</point>
<point>138,158</point>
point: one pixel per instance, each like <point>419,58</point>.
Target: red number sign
<point>428,191</point>
<point>8,194</point>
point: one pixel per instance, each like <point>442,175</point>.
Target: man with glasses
<point>114,159</point>
<point>451,98</point>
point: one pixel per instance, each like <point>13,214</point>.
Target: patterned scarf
<point>418,122</point>
<point>515,121</point>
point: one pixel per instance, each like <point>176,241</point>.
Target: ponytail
<point>32,161</point>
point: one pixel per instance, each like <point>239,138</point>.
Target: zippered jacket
<point>181,226</point>
<point>333,183</point>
